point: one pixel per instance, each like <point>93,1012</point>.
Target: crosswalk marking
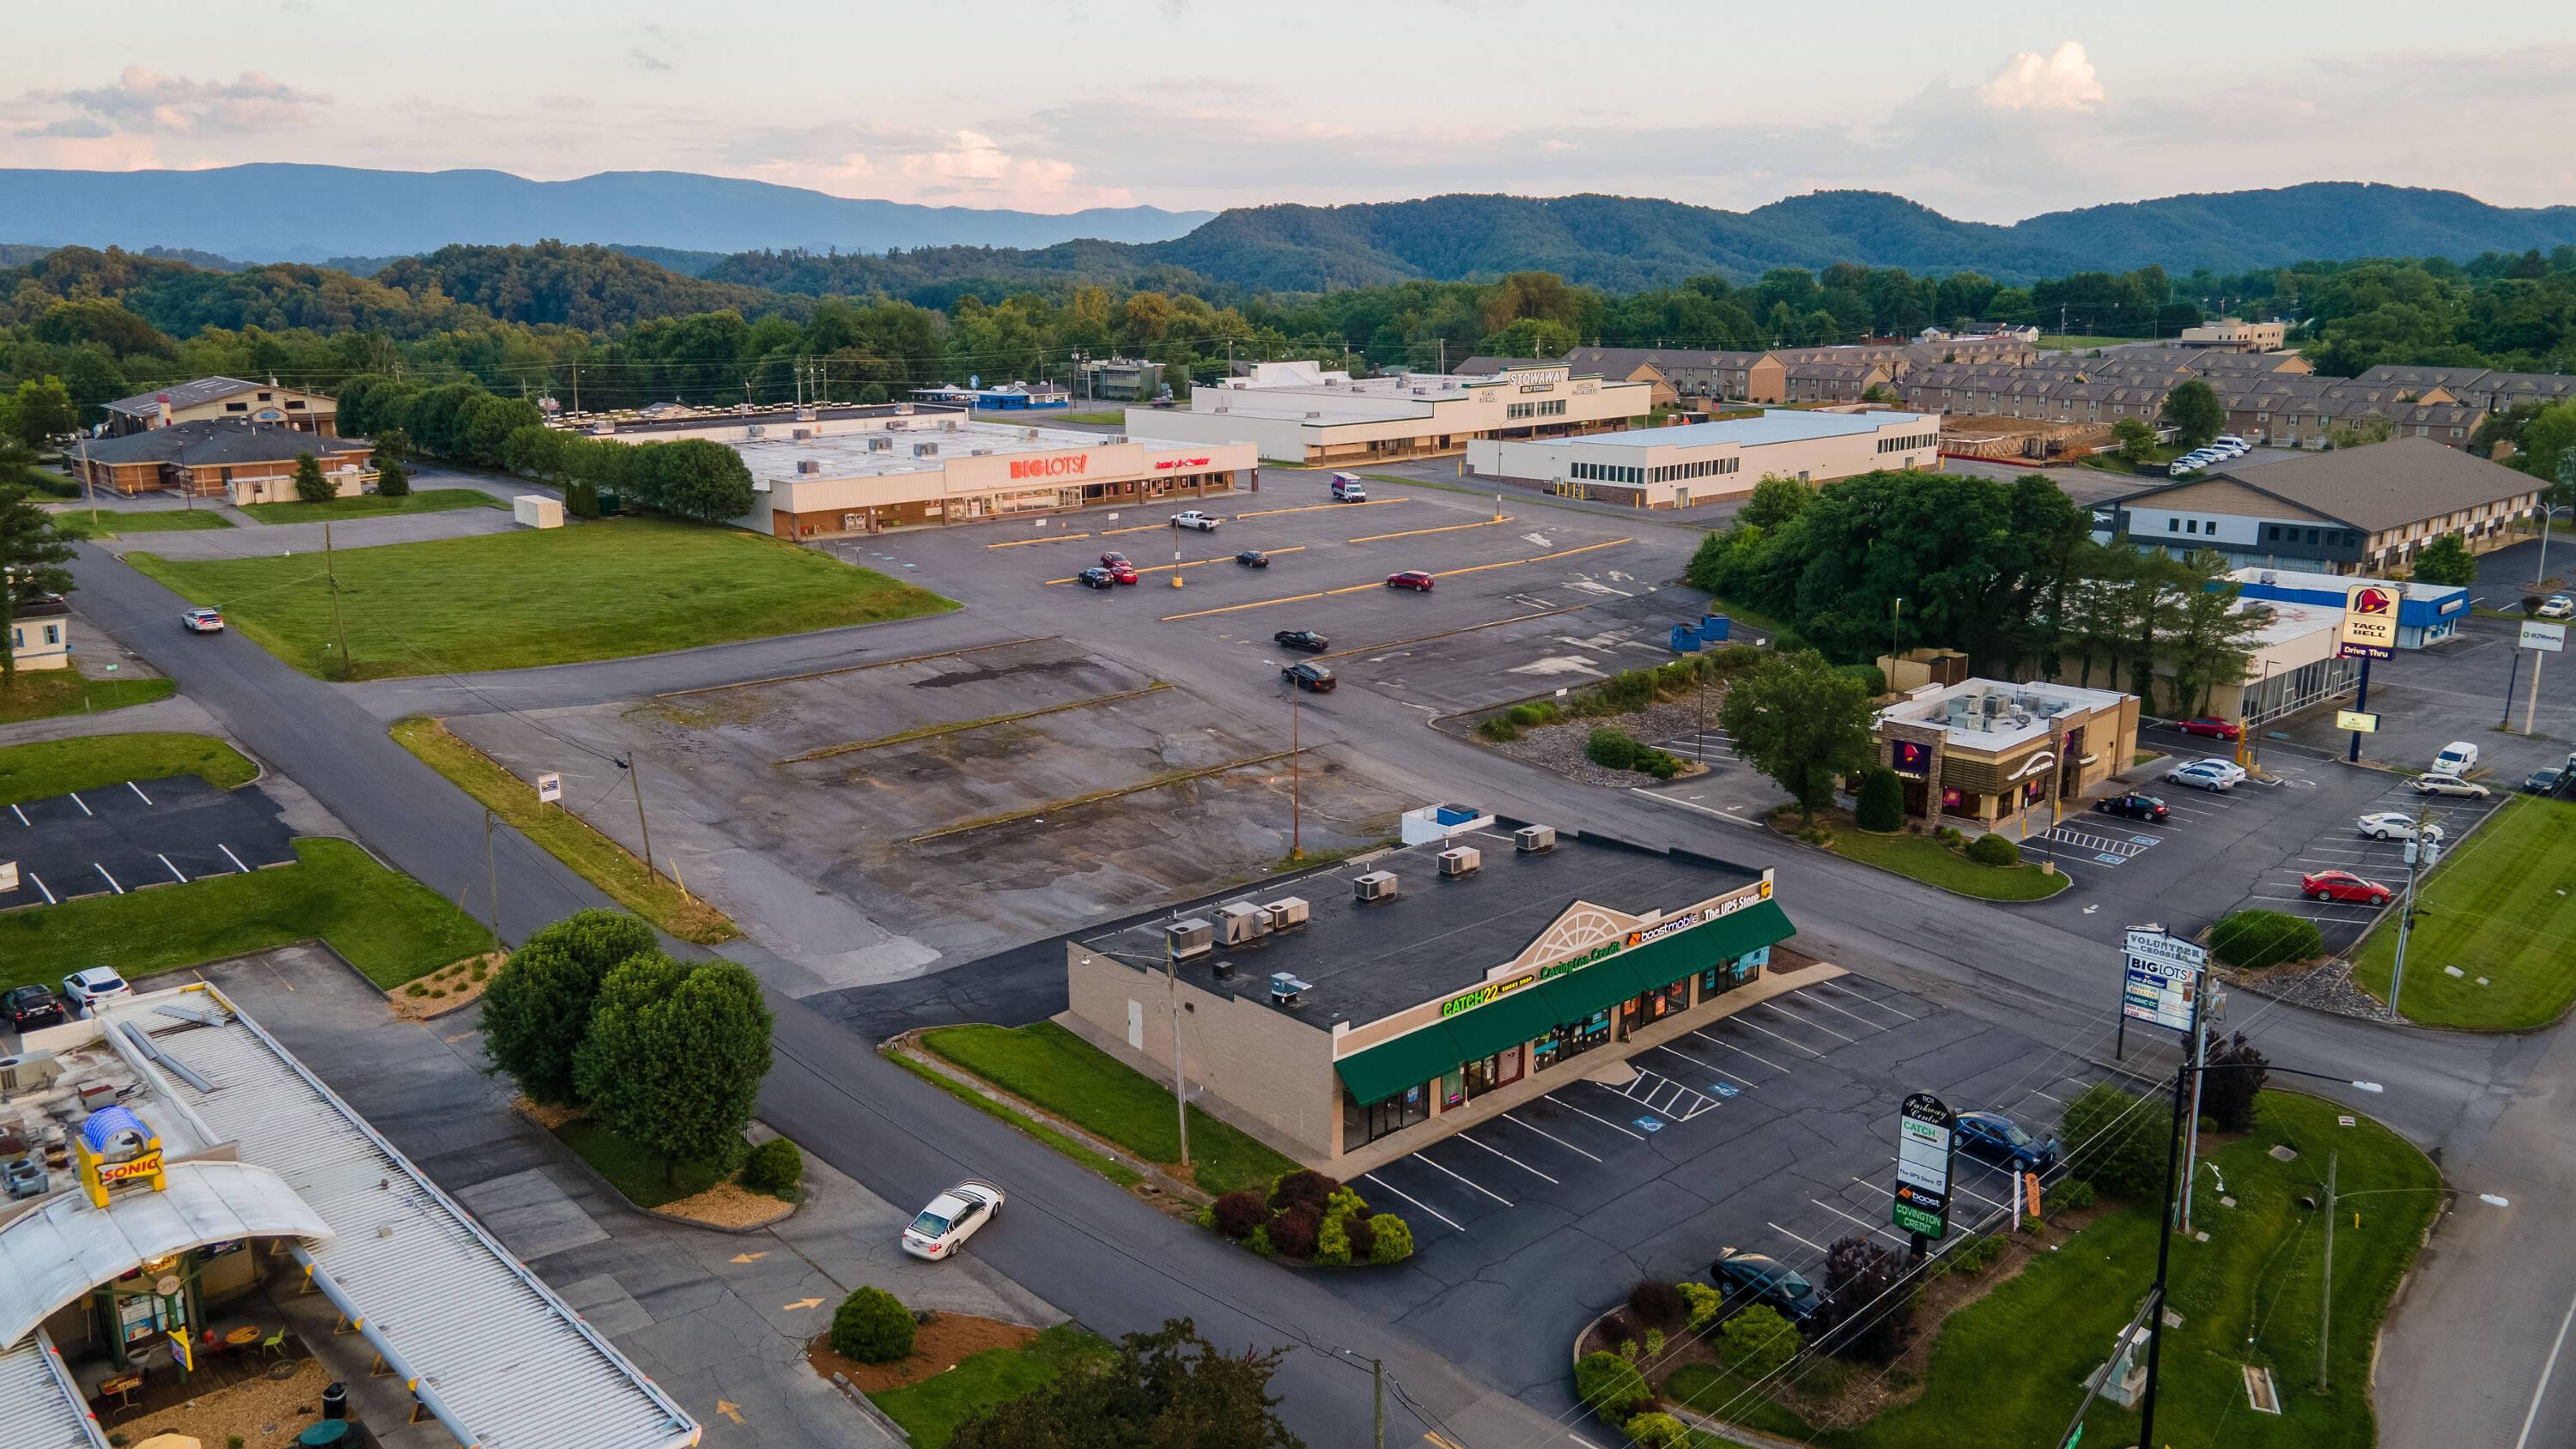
<point>1658,1093</point>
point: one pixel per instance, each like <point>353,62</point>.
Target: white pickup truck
<point>1192,518</point>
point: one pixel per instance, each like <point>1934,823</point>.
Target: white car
<point>952,1218</point>
<point>2558,606</point>
<point>2233,441</point>
<point>86,989</point>
<point>2457,758</point>
<point>2395,825</point>
<point>202,621</point>
<point>1192,518</point>
<point>2448,785</point>
<point>2211,773</point>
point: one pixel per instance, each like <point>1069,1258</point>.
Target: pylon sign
<point>1926,1133</point>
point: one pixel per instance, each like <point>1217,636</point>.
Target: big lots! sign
<point>1070,465</point>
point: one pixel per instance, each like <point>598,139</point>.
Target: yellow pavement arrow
<point>748,1257</point>
<point>801,1303</point>
<point>729,1409</point>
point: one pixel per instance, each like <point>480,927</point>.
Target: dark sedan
<point>1253,558</point>
<point>1739,1274</point>
<point>1096,579</point>
<point>1993,1137</point>
<point>30,1007</point>
<point>1306,639</point>
<point>2546,780</point>
<point>1313,678</point>
<point>2136,807</point>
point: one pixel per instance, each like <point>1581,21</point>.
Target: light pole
<point>1296,757</point>
<point>2416,851</point>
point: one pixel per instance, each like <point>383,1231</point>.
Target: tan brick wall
<point>1269,1068</point>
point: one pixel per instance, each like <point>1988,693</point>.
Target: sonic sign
<point>2369,622</point>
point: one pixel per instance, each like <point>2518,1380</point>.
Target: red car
<point>1112,559</point>
<point>1414,579</point>
<point>2342,885</point>
<point>2215,728</point>
<point>1123,571</point>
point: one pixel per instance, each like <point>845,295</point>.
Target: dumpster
<point>1685,638</point>
<point>1714,629</point>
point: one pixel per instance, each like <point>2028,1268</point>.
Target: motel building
<point>1351,1015</point>
<point>1676,467</point>
<point>1295,412</point>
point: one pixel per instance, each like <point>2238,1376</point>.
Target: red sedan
<point>2210,725</point>
<point>2342,885</point>
<point>1414,579</point>
<point>1123,571</point>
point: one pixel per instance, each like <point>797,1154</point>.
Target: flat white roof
<point>1776,425</point>
<point>2339,583</point>
<point>847,454</point>
<point>2022,712</point>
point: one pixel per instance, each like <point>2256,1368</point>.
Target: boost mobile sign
<point>1925,1129</point>
<point>2157,976</point>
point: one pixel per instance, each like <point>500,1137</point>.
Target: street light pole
<point>1180,1088</point>
<point>2415,851</point>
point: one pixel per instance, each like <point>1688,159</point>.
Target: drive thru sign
<point>1924,1129</point>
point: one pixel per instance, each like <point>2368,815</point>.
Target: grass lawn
<point>1091,1089</point>
<point>390,926</point>
<point>929,1410</point>
<point>1932,863</point>
<point>601,861</point>
<point>604,590</point>
<point>1107,419</point>
<point>2493,908</point>
<point>113,524</point>
<point>1115,1171</point>
<point>374,505</point>
<point>52,767</point>
<point>44,694</point>
<point>2080,342</point>
<point>638,1172</point>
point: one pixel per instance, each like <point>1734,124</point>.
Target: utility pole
<point>338,625</point>
<point>491,880</point>
<point>633,766</point>
<point>2416,850</point>
<point>1895,613</point>
<point>1296,790</point>
<point>86,491</point>
<point>2531,708</point>
<point>2325,1306</point>
<point>2164,1265</point>
<point>2199,1065</point>
<point>1180,1087</point>
<point>1377,1380</point>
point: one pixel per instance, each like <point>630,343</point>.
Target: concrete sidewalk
<point>270,540</point>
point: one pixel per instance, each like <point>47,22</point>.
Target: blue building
<point>1008,397</point>
<point>2426,613</point>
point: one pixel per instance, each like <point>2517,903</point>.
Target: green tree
<point>695,478</point>
<point>2210,639</point>
<point>393,443</point>
<point>2195,411</point>
<point>1882,800</point>
<point>32,555</point>
<point>537,1010</point>
<point>1801,723</point>
<point>393,480</point>
<point>2446,560</point>
<point>2137,440</point>
<point>872,1326</point>
<point>675,1056</point>
<point>1775,501</point>
<point>1757,1342</point>
<point>44,410</point>
<point>310,484</point>
<point>2115,1141</point>
<point>534,450</point>
<point>1166,1390</point>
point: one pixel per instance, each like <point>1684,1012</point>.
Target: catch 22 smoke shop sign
<point>2157,978</point>
<point>1925,1129</point>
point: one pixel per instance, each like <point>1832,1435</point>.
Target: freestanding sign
<point>1925,1128</point>
<point>2158,977</point>
<point>549,789</point>
<point>2370,620</point>
<point>2537,635</point>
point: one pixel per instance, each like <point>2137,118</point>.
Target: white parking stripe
<point>1859,995</point>
<point>1507,1157</point>
<point>1550,1136</point>
<point>83,804</point>
<point>1707,1066</point>
<point>1766,1031</point>
<point>111,880</point>
<point>138,792</point>
<point>1793,1237</point>
<point>1774,1004</point>
<point>1838,1212</point>
<point>180,875</point>
<point>1730,1046</point>
<point>1829,1006</point>
<point>1436,1167</point>
<point>1604,1121</point>
<point>22,816</point>
<point>235,859</point>
<point>1408,1197</point>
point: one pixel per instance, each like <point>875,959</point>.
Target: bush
<point>1305,1188</point>
<point>1873,1307</point>
<point>2119,1150</point>
<point>1394,1241</point>
<point>1612,749</point>
<point>1659,1304</point>
<point>1992,849</point>
<point>1657,1431</point>
<point>1362,1230</point>
<point>1259,1241</point>
<point>1704,1304</point>
<point>1867,674</point>
<point>1611,1386</point>
<point>581,500</point>
<point>1882,801</point>
<point>1294,1232</point>
<point>1630,690</point>
<point>1238,1213</point>
<point>1757,1342</point>
<point>1207,1218</point>
<point>1618,1330</point>
<point>1654,1343</point>
<point>1333,1244</point>
<point>2227,1091</point>
<point>773,1166</point>
<point>393,480</point>
<point>2072,1195</point>
<point>872,1327</point>
<point>1499,730</point>
<point>1533,714</point>
<point>2252,940</point>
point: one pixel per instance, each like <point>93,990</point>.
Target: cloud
<point>79,129</point>
<point>959,167</point>
<point>646,61</point>
<point>2061,80</point>
<point>148,102</point>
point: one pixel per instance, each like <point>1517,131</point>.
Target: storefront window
<point>1453,1090</point>
<point>2034,789</point>
<point>1365,1123</point>
<point>1582,1036</point>
<point>1494,1071</point>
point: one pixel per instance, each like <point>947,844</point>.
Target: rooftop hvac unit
<point>948,425</point>
<point>808,467</point>
<point>1461,860</point>
<point>28,1072</point>
<point>893,424</point>
<point>1222,969</point>
<point>805,415</point>
<point>1188,938</point>
<point>1117,437</point>
<point>1029,434</point>
<point>1530,839</point>
<point>1312,414</point>
<point>1284,988</point>
<point>978,452</point>
<point>880,445</point>
<point>925,450</point>
<point>1286,911</point>
<point>1240,921</point>
<point>1224,409</point>
<point>1377,885</point>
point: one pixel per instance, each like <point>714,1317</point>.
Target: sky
<point>1987,112</point>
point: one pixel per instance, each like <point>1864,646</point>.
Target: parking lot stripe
<point>40,885</point>
<point>1231,608</point>
<point>1542,558</point>
<point>83,804</point>
<point>1730,1046</point>
<point>1550,1136</point>
<point>1838,1212</point>
<point>1445,633</point>
<point>1139,528</point>
<point>180,875</point>
<point>1793,1237</point>
<point>1471,1182</point>
<point>1312,507</point>
<point>1604,1121</point>
<point>1191,564</point>
<point>138,792</point>
<point>1829,1006</point>
<point>111,880</point>
<point>1507,1157</point>
<point>1050,538</point>
<point>1774,1004</point>
<point>1858,995</point>
<point>1710,1066</point>
<point>1418,532</point>
<point>1766,1031</point>
<point>235,859</point>
<point>22,816</point>
<point>1408,1197</point>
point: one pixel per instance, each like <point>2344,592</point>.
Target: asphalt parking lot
<point>137,835</point>
<point>1771,1130</point>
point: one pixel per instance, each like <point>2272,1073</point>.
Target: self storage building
<point>1294,412</point>
<point>1378,999</point>
<point>1678,467</point>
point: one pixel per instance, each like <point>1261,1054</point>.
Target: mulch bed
<point>2319,985</point>
<point>1559,747</point>
<point>943,1343</point>
<point>261,1410</point>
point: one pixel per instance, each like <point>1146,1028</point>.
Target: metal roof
<point>185,395</point>
<point>506,1361</point>
<point>52,1255</point>
<point>39,1405</point>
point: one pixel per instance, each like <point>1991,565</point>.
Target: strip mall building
<point>1675,467</point>
<point>1293,412</point>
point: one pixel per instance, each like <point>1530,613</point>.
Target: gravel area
<point>730,1205</point>
<point>1559,747</point>
<point>262,1411</point>
<point>2325,986</point>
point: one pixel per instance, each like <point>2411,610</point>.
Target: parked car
<point>2547,780</point>
<point>1996,1138</point>
<point>2182,466</point>
<point>1193,518</point>
<point>1347,488</point>
<point>1096,578</point>
<point>2233,441</point>
<point>2457,758</point>
<point>32,1006</point>
<point>2208,774</point>
<point>2134,806</point>
<point>1122,572</point>
<point>202,621</point>
<point>2558,606</point>
<point>1253,558</point>
<point>952,1218</point>
<point>1414,579</point>
<point>2451,785</point>
<point>1311,677</point>
<point>1739,1274</point>
<point>1306,639</point>
<point>2342,885</point>
<point>86,989</point>
<point>2211,727</point>
<point>2395,825</point>
<point>1113,559</point>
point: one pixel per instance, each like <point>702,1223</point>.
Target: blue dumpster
<point>1714,629</point>
<point>1686,639</point>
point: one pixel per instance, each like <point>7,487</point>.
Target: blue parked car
<point>1740,1275</point>
<point>1993,1137</point>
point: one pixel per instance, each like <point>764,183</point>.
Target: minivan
<point>2457,758</point>
<point>1347,488</point>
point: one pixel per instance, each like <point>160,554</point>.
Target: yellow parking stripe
<point>1417,532</point>
<point>1311,507</point>
<point>1196,562</point>
<point>1356,588</point>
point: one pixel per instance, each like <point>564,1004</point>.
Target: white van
<point>2457,758</point>
<point>1347,488</point>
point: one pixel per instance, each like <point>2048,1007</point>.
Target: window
<point>2191,525</point>
<point>2274,534</point>
<point>2173,525</point>
<point>237,407</point>
<point>53,633</point>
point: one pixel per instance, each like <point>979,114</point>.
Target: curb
<point>564,1149</point>
<point>907,1043</point>
<point>1928,885</point>
<point>880,1417</point>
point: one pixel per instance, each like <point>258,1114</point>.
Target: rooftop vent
<point>925,450</point>
<point>801,434</point>
<point>1240,921</point>
<point>895,424</point>
<point>1313,414</point>
<point>1284,988</point>
<point>1530,839</point>
<point>1188,938</point>
<point>1377,885</point>
<point>1286,911</point>
<point>978,452</point>
<point>805,415</point>
<point>1222,969</point>
<point>808,467</point>
<point>880,445</point>
<point>1117,437</point>
<point>948,425</point>
<point>1461,860</point>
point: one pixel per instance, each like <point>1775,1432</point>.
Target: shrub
<point>1817,836</point>
<point>1536,712</point>
<point>1654,1343</point>
<point>1991,849</point>
<point>1618,1330</point>
<point>2252,940</point>
<point>1968,1255</point>
<point>1363,1235</point>
<point>1612,748</point>
<point>2531,604</point>
<point>2119,1150</point>
<point>1757,1342</point>
<point>1867,674</point>
<point>1207,1218</point>
<point>773,1166</point>
<point>1343,1203</point>
<point>1657,1431</point>
<point>1658,1304</point>
<point>872,1327</point>
<point>1872,1309</point>
<point>1630,690</point>
<point>1947,834</point>
<point>1611,1386</point>
<point>1259,1241</point>
<point>2032,1224</point>
<point>1704,1304</point>
<point>1238,1213</point>
<point>1333,1244</point>
<point>1500,730</point>
<point>2228,1090</point>
<point>2073,1195</point>
<point>393,480</point>
<point>581,500</point>
<point>1882,801</point>
<point>1394,1242</point>
<point>1304,1188</point>
<point>1294,1231</point>
<point>1657,763</point>
<point>1628,1349</point>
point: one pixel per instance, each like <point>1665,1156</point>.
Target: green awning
<point>1750,929</point>
<point>1503,1023</point>
<point>1594,989</point>
<point>1408,1061</point>
<point>1701,948</point>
